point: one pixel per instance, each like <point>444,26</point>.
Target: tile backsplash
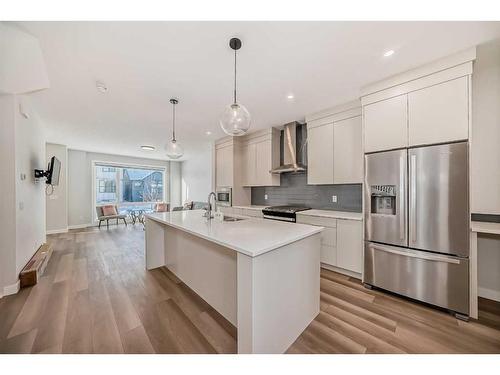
<point>295,191</point>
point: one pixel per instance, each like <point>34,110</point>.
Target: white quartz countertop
<point>258,208</point>
<point>333,214</point>
<point>251,236</point>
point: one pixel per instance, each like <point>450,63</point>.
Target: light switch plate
<point>265,197</point>
<point>334,199</point>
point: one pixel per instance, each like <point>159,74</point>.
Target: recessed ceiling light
<point>290,96</point>
<point>208,132</point>
<point>101,86</point>
<point>389,53</point>
<point>148,148</point>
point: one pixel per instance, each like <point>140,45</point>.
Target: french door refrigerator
<point>417,224</point>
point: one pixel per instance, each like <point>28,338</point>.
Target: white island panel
<point>262,276</point>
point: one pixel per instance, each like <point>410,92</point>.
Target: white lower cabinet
<point>341,242</point>
<point>350,245</point>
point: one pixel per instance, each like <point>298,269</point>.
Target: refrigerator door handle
<point>413,197</point>
<point>435,258</point>
<point>402,210</point>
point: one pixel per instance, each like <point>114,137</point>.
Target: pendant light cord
<point>234,76</point>
<point>173,123</point>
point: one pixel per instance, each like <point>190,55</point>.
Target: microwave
<point>224,196</point>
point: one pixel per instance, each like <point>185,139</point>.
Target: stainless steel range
<point>283,213</point>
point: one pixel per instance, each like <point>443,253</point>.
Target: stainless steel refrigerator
<point>417,224</point>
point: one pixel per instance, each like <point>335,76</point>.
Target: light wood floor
<point>97,297</point>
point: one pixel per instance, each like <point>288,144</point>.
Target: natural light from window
<point>130,188</point>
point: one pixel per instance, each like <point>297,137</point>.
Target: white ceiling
<point>146,63</point>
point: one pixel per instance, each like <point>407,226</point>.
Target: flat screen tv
<point>53,171</point>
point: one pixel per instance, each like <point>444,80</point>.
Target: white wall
<point>30,195</point>
<point>485,153</point>
<point>175,184</point>
<point>79,188</point>
<point>22,228</point>
<point>80,206</point>
<point>57,202</point>
<point>22,68</point>
<point>7,192</point>
<point>197,174</point>
<point>22,149</point>
<point>485,161</point>
<point>488,266</point>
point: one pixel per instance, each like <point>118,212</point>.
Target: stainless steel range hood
<point>292,149</point>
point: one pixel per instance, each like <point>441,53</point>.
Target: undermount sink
<point>232,218</point>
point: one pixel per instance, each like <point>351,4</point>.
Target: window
<point>128,187</point>
<point>107,186</point>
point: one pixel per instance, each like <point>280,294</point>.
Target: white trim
<point>422,71</point>
<point>342,271</point>
<point>489,293</point>
<point>80,226</point>
<point>419,84</point>
<point>484,227</point>
<point>338,113</point>
<point>11,289</point>
<point>56,231</point>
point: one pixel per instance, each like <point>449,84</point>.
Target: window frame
<point>106,164</point>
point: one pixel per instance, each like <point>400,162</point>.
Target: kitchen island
<point>262,275</point>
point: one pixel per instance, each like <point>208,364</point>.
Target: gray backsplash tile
<point>295,191</point>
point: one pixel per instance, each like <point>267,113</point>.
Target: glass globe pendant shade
<point>235,120</point>
<point>174,150</point>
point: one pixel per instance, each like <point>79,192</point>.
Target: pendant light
<point>235,120</point>
<point>174,150</point>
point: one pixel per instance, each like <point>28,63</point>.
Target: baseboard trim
<point>80,226</point>
<point>11,289</point>
<point>55,231</point>
<point>489,294</point>
<point>342,271</point>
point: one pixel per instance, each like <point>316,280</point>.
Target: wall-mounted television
<point>52,173</point>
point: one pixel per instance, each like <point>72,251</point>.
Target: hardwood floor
<point>97,297</point>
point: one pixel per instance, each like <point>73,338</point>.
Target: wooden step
<point>33,270</point>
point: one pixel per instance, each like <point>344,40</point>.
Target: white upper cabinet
<point>386,124</point>
<point>263,164</point>
<point>334,146</point>
<point>224,166</point>
<point>260,152</point>
<point>439,113</point>
<point>249,163</point>
<point>423,106</point>
<point>347,151</point>
<point>320,152</point>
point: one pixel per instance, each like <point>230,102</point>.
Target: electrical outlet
<point>265,197</point>
<point>334,199</point>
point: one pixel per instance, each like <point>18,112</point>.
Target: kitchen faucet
<point>209,213</point>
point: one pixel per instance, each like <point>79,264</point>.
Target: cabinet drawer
<point>316,220</point>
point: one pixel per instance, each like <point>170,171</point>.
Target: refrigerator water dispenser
<point>383,199</point>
